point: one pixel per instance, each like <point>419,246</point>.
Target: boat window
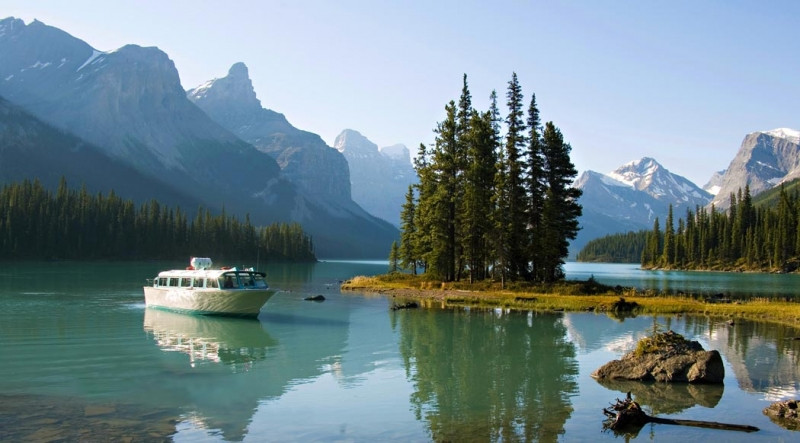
<point>211,283</point>
<point>173,281</point>
<point>259,281</point>
<point>247,280</point>
<point>186,282</point>
<point>229,281</point>
<point>198,282</point>
<point>162,281</point>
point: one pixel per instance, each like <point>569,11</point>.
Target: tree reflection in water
<point>488,375</point>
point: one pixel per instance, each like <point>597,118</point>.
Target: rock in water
<point>665,357</point>
<point>785,413</point>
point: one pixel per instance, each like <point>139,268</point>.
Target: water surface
<point>82,358</point>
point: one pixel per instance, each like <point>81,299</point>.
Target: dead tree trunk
<point>627,415</point>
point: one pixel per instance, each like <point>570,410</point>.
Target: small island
<point>570,296</point>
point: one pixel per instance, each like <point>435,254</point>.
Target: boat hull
<point>232,302</point>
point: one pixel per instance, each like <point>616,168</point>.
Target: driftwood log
<point>626,416</point>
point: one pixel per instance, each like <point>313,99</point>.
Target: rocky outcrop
<point>785,414</point>
<point>665,357</point>
<point>764,160</point>
<point>304,158</point>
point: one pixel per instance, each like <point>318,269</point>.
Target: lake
<point>83,359</point>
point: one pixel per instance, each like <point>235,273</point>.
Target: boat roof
<point>203,273</point>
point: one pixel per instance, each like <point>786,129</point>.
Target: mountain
<point>130,104</point>
<point>30,148</point>
<point>380,177</point>
<point>303,156</point>
<point>714,183</point>
<point>631,198</point>
<point>764,160</point>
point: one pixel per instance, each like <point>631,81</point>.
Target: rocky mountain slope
<point>130,104</point>
<point>31,149</point>
<point>764,160</point>
<point>380,176</point>
<point>304,158</point>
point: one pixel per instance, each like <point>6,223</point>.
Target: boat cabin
<point>208,279</point>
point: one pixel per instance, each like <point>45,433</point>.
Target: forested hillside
<point>615,248</point>
<point>72,224</point>
<point>746,237</point>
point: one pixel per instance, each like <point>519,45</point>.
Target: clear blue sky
<point>680,81</point>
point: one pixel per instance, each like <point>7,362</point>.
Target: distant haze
<point>677,81</point>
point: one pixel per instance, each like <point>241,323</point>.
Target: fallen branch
<point>627,416</point>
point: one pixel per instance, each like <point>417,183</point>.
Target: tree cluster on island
<point>490,205</point>
<point>71,224</point>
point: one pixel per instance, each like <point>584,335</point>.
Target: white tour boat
<point>201,290</point>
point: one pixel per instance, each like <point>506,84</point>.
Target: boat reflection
<point>230,341</point>
<point>217,370</point>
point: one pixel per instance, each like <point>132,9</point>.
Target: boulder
<point>665,357</point>
<point>785,414</point>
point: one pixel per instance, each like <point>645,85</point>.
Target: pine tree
<point>536,186</point>
<point>516,202</point>
<point>478,186</point>
<point>408,232</point>
<point>394,257</point>
<point>561,207</point>
<point>500,213</point>
<point>423,235</point>
<point>444,223</point>
<point>668,254</point>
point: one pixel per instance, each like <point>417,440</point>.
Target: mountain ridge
<point>130,104</point>
<point>630,198</point>
<point>764,160</point>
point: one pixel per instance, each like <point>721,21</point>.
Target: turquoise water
<point>732,284</point>
<point>83,359</point>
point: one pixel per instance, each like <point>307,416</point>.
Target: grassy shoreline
<point>573,296</point>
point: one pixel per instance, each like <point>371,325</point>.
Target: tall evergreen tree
<point>536,185</point>
<point>444,223</point>
<point>515,194</point>
<point>423,235</point>
<point>478,184</point>
<point>561,207</point>
<point>668,255</point>
<point>500,212</point>
<point>408,232</point>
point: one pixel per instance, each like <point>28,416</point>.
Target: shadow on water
<point>287,319</point>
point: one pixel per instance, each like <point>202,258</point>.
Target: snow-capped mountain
<point>631,197</point>
<point>649,176</point>
<point>765,160</point>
